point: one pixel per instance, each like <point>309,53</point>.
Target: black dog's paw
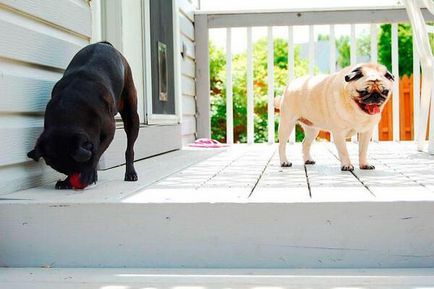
<point>347,168</point>
<point>286,164</point>
<point>131,176</point>
<point>63,185</point>
<point>309,162</point>
<point>89,177</point>
<point>367,167</point>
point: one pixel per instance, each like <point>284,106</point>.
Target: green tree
<point>405,48</point>
<point>218,103</point>
<point>363,44</point>
<point>239,76</point>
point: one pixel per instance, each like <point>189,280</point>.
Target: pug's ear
<point>35,154</point>
<point>354,75</point>
<point>389,76</point>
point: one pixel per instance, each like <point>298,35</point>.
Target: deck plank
<point>283,184</point>
<point>228,177</point>
<point>251,173</point>
<point>395,178</point>
<point>405,159</point>
<point>110,186</point>
<point>327,181</point>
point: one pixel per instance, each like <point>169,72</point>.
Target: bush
<point>260,87</point>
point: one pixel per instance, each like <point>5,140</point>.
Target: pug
<point>79,121</point>
<point>345,103</point>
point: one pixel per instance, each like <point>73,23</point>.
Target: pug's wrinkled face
<point>370,87</point>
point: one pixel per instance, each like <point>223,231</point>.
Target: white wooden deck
<point>251,173</point>
<point>232,208</point>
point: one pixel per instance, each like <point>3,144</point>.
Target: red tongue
<point>75,182</point>
<point>373,108</point>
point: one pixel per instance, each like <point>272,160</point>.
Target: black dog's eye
<point>363,92</point>
<point>385,92</point>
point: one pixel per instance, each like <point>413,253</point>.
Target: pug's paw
<point>286,164</point>
<point>309,162</point>
<point>347,168</point>
<point>367,167</point>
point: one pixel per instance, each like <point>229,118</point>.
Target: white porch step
<point>236,209</point>
<point>220,235</point>
<point>213,279</point>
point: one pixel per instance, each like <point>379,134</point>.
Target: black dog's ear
<point>354,75</point>
<point>389,76</point>
<point>34,154</point>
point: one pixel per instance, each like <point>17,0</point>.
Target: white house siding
<point>186,26</point>
<point>37,41</point>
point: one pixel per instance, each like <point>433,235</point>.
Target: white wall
<point>37,41</point>
<point>186,26</point>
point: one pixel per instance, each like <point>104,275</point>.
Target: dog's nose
<point>375,97</point>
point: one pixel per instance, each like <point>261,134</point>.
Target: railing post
<point>353,45</point>
<point>270,77</point>
<point>229,98</point>
<point>353,57</point>
<point>292,137</point>
<point>290,53</point>
<point>332,42</point>
<point>203,120</point>
<point>431,121</point>
<point>416,90</point>
<point>250,102</point>
<point>311,50</point>
<point>395,72</point>
<point>374,58</point>
<point>332,57</point>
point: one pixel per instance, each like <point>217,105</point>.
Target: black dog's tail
<point>106,42</point>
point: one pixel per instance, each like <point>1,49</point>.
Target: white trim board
<point>306,17</point>
<point>218,235</point>
<point>86,278</point>
<point>152,140</point>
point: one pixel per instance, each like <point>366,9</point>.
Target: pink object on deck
<point>207,143</point>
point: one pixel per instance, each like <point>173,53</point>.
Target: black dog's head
<point>66,151</point>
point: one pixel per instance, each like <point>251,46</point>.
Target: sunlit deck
<point>233,207</point>
<point>251,173</point>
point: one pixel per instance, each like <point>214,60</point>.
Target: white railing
<point>421,45</point>
<point>290,18</point>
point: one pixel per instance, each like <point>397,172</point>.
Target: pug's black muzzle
<point>373,98</point>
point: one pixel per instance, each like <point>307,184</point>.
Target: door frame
<point>158,133</point>
<point>152,118</point>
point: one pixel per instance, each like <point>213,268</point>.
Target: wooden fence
<point>385,127</point>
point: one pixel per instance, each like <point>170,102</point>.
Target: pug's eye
<point>385,92</point>
<point>363,92</point>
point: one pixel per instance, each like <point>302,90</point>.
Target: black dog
<point>79,121</point>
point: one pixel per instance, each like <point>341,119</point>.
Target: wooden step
<point>115,278</point>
